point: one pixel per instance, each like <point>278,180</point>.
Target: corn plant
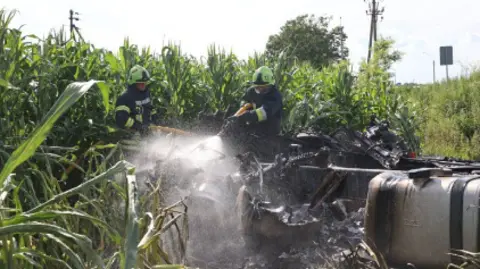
<point>32,233</point>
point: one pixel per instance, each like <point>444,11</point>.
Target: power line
<point>373,11</point>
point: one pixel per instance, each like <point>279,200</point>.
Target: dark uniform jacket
<point>134,109</point>
<point>267,113</point>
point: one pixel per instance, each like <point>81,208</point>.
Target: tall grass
<point>450,118</point>
<point>68,198</point>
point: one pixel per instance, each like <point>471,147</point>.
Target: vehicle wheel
<point>244,210</point>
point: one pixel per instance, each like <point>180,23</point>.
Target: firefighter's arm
<point>123,111</point>
<point>271,105</point>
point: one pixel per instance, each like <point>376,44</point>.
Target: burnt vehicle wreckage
<point>282,188</point>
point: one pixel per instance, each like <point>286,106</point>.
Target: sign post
<point>446,57</point>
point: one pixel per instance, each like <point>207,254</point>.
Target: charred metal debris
<point>286,198</point>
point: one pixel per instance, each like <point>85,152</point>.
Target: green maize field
<point>57,127</point>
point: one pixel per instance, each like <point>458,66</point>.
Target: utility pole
<point>433,65</point>
<point>373,11</point>
<point>71,18</point>
<point>73,27</point>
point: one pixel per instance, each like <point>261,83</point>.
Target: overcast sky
<point>418,26</point>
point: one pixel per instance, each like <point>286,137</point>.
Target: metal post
<point>433,66</point>
<point>446,69</point>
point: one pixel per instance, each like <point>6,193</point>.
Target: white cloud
<point>244,25</point>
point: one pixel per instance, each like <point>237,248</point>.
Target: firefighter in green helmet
<point>265,102</point>
<point>134,110</point>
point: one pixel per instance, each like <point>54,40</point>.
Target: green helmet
<point>138,74</point>
<point>263,76</point>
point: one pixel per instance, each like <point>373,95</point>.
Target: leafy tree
<point>311,40</point>
<point>383,58</point>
